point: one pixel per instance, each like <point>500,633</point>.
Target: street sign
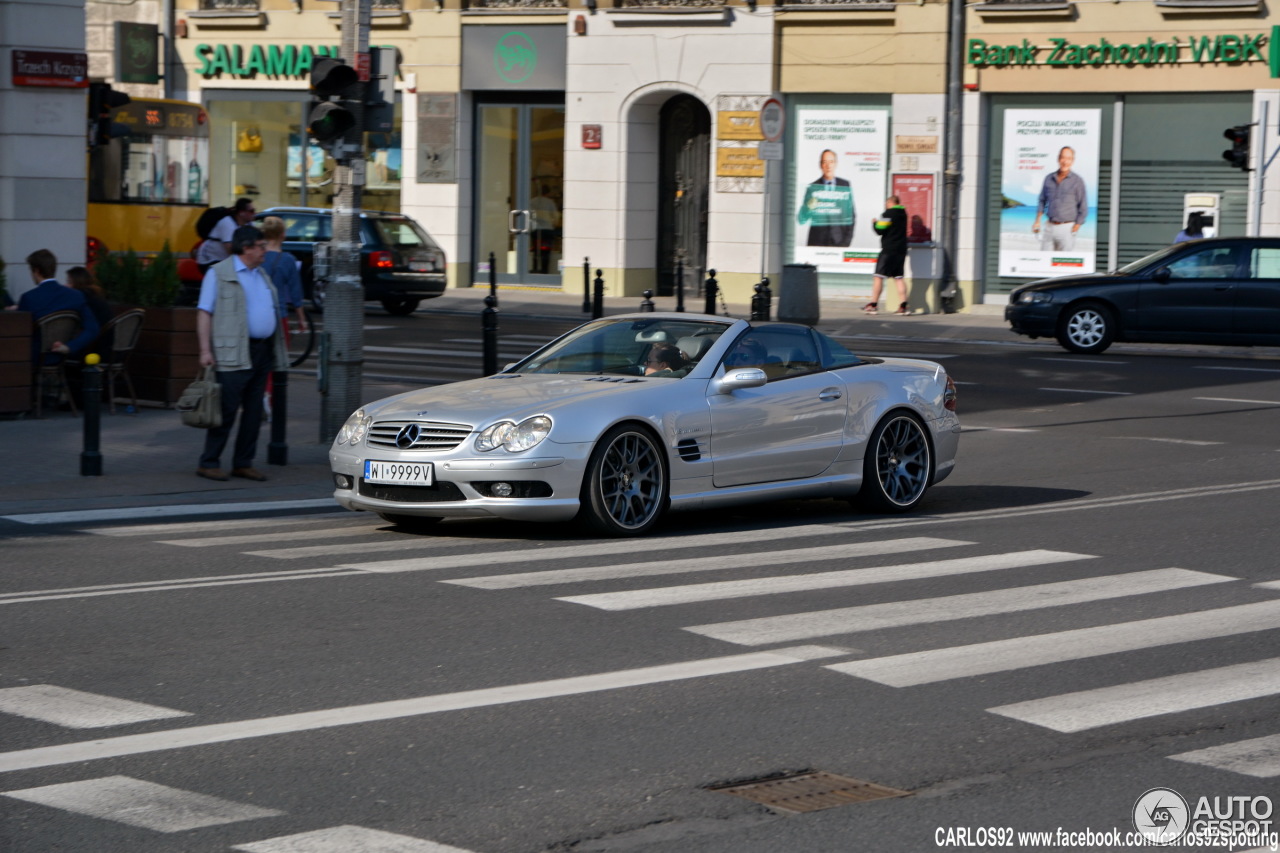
<point>770,151</point>
<point>773,121</point>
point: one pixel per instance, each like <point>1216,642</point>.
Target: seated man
<point>665,360</point>
<point>50,295</point>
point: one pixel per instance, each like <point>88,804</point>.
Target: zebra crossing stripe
<point>1255,757</point>
<point>365,529</point>
<point>1020,652</point>
<point>705,564</point>
<point>594,549</point>
<point>231,524</point>
<point>664,596</point>
<point>871,617</point>
<point>346,839</point>
<point>143,804</point>
<point>74,753</point>
<point>76,710</point>
<point>1089,709</point>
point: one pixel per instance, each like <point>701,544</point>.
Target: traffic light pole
<point>343,365</point>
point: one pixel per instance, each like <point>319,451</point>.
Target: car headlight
<point>514,437</point>
<point>355,429</point>
<point>1036,296</point>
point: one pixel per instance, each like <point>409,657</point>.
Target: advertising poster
<point>1049,205</point>
<point>841,158</point>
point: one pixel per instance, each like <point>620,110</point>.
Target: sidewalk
<point>149,458</point>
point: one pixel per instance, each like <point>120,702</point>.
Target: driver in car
<point>665,360</point>
<point>747,352</point>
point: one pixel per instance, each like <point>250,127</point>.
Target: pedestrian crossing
<point>968,584</point>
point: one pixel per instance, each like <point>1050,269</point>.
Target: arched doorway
<point>684,156</point>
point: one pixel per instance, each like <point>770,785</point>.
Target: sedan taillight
<point>949,396</point>
<point>381,260</point>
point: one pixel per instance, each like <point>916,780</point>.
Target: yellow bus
<point>149,187</point>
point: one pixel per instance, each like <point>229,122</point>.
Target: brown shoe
<point>212,474</point>
<point>249,474</point>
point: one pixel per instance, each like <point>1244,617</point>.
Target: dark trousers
<point>242,391</point>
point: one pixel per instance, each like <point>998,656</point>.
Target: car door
<point>1256,318</point>
<point>1196,300</point>
<point>791,427</point>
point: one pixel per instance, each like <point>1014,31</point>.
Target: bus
<point>149,187</point>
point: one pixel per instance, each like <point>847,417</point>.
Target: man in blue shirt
<point>1064,200</point>
<point>50,295</point>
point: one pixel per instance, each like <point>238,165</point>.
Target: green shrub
<point>131,280</point>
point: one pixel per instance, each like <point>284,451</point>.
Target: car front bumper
<point>545,487</point>
<point>1034,319</point>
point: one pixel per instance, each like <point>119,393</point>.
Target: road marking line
<point>347,839</point>
<point>1245,369</point>
<point>928,667</point>
<point>995,429</point>
<point>669,595</point>
<point>1078,360</point>
<point>420,351</point>
<point>703,564</point>
<point>1089,391</point>
<point>595,549</point>
<point>895,614</point>
<point>134,802</point>
<point>408,543</point>
<point>1089,709</point>
<point>78,710</point>
<point>87,515</point>
<point>1254,757</point>
<point>73,753</point>
<point>1238,400</point>
<point>365,529</point>
<point>174,527</point>
<point>164,585</point>
<point>1166,440</point>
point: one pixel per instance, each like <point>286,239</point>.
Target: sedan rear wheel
<point>898,467</point>
<point>400,307</point>
<point>1088,328</point>
<point>625,490</point>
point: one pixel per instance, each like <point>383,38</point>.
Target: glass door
<point>519,193</point>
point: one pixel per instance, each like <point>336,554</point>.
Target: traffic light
<point>329,120</point>
<point>102,100</point>
<point>1238,154</point>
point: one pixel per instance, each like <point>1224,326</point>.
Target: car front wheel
<point>898,466</point>
<point>1088,328</point>
<point>625,489</point>
<point>400,307</point>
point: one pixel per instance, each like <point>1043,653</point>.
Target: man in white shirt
<point>217,246</point>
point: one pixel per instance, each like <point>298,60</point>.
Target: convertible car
<point>628,417</point>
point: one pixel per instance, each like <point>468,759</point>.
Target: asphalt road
<point>1086,610</point>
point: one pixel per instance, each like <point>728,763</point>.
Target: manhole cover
<point>809,791</point>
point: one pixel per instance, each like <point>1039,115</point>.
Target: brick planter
<point>15,361</point>
<point>167,357</point>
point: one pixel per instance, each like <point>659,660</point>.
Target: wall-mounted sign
<point>272,60</point>
<point>738,124</point>
<point>739,163</point>
<point>437,132</point>
<point>1208,49</point>
<point>592,136</point>
<point>50,68</point>
<point>137,54</point>
<point>916,193</point>
<point>915,145</point>
<point>526,57</point>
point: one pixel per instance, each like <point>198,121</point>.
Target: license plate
<point>421,266</point>
<point>399,473</point>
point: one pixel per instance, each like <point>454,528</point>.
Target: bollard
<point>493,277</point>
<point>710,290</point>
<point>680,286</point>
<point>90,457</point>
<point>597,308</point>
<point>586,285</point>
<point>762,302</point>
<point>489,329</point>
<point>278,447</point>
<point>647,304</point>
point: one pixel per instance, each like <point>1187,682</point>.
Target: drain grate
<point>809,791</point>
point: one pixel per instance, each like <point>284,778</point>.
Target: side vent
<point>688,449</point>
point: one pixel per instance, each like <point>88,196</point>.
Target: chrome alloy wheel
<point>902,461</point>
<point>1086,328</point>
<point>627,483</point>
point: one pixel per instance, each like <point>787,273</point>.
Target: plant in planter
<point>131,280</point>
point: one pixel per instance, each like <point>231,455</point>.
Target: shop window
<point>516,4</point>
<point>388,5</point>
<point>230,5</point>
<point>649,4</point>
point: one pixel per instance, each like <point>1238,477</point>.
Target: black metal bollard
<point>647,304</point>
<point>278,447</point>
<point>762,302</point>
<point>489,329</point>
<point>709,290</point>
<point>586,285</point>
<point>680,286</point>
<point>493,276</point>
<point>90,457</point>
<point>597,307</point>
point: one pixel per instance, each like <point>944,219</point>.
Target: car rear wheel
<point>898,466</point>
<point>401,307</point>
<point>1087,328</point>
<point>625,490</point>
<point>417,523</point>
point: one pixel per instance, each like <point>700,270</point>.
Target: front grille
<point>442,491</point>
<point>430,435</point>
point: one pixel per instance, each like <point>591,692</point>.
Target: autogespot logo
<point>515,57</point>
<point>1161,815</point>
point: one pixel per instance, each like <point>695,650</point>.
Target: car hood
<point>479,402</point>
<point>1062,282</point>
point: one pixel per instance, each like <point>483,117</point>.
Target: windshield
<point>1149,260</point>
<point>401,234</point>
<point>661,348</point>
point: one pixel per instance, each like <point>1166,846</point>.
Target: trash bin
<point>798,299</point>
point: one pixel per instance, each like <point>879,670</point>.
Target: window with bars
<point>229,5</point>
<point>517,4</point>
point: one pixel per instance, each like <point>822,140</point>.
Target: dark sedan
<point>1224,290</point>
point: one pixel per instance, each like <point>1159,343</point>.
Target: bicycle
<point>299,343</point>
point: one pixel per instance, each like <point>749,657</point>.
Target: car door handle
<point>830,394</point>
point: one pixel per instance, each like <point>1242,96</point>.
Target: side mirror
<point>1161,275</point>
<point>746,377</point>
